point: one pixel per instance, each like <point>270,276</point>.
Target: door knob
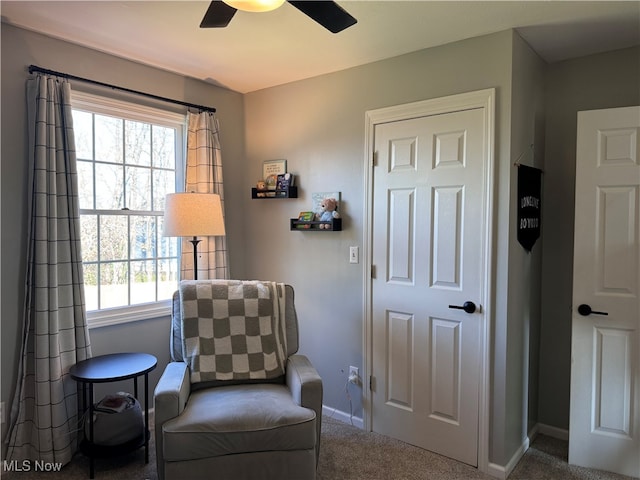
<point>585,310</point>
<point>468,307</point>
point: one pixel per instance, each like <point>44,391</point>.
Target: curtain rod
<point>35,68</point>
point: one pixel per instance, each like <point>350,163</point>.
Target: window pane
<point>91,286</point>
<point>143,282</point>
<point>138,146</point>
<point>167,246</point>
<point>113,237</point>
<point>126,166</point>
<point>114,291</point>
<point>164,181</point>
<point>167,278</point>
<point>85,184</point>
<point>138,188</point>
<point>109,191</point>
<point>108,139</point>
<point>143,237</point>
<point>83,134</point>
<point>164,147</point>
<point>89,237</point>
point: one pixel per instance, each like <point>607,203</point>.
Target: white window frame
<point>132,111</point>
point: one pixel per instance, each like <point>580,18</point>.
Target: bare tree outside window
<point>126,168</point>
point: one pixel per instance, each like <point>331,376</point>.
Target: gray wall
<point>318,126</point>
<point>521,326</point>
<point>20,48</point>
<point>599,81</point>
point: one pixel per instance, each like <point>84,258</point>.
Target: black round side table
<point>111,368</point>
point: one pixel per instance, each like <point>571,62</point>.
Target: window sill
<point>118,316</point>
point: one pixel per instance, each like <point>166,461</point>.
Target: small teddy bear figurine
<point>328,211</point>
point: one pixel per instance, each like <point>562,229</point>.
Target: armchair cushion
<point>239,419</point>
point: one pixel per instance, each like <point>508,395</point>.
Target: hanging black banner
<point>529,185</point>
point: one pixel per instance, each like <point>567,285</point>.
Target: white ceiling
<point>260,50</point>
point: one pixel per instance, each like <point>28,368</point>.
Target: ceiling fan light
<point>254,5</point>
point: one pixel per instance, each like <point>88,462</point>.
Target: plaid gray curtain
<point>204,175</point>
<point>44,415</point>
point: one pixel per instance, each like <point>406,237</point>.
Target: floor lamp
<point>193,215</point>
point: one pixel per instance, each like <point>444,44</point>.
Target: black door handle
<point>585,310</point>
<point>468,307</point>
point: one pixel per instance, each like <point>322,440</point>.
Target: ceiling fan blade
<point>218,15</point>
<point>327,13</point>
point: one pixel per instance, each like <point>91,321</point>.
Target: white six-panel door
<point>604,428</point>
<point>428,241</point>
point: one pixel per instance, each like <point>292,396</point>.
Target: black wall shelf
<point>291,192</point>
<point>334,225</point>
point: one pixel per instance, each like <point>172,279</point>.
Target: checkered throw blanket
<point>232,329</point>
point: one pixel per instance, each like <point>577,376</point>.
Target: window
<point>128,158</point>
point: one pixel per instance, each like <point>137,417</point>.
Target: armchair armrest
<point>169,399</point>
<point>305,386</point>
<point>304,382</point>
<point>172,392</point>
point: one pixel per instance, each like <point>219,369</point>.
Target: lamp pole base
<point>195,243</point>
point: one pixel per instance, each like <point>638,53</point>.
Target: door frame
<point>478,99</point>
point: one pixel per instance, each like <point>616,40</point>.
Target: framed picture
<point>273,167</point>
<point>270,171</point>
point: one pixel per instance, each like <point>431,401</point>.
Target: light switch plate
<point>354,256</point>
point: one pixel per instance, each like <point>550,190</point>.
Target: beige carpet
<point>348,453</point>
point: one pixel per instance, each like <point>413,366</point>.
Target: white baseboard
<point>518,455</point>
<point>502,472</point>
<point>555,432</point>
<point>328,412</point>
<point>496,471</point>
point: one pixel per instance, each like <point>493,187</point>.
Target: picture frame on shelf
<point>270,171</point>
<point>273,167</point>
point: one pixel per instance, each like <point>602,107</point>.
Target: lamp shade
<point>193,215</point>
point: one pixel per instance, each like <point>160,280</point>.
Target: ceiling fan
<point>327,13</point>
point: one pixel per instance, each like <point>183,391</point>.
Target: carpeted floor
<point>348,453</point>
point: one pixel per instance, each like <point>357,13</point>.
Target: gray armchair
<point>240,428</point>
